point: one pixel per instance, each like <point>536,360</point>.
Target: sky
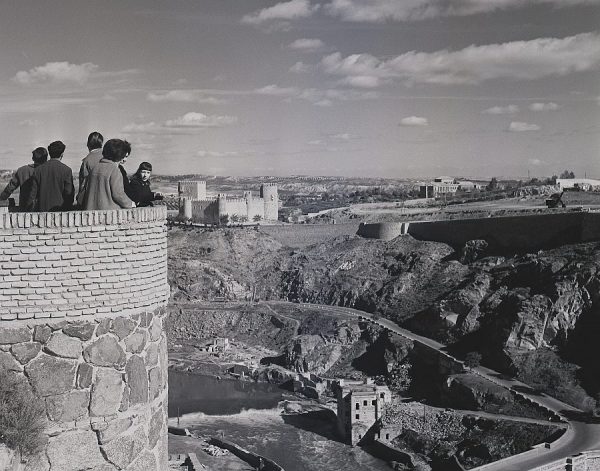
<point>387,88</point>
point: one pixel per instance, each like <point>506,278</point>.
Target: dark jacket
<point>125,179</point>
<point>51,187</point>
<point>21,178</point>
<point>140,193</point>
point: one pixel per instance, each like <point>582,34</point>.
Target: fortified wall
<point>527,232</point>
<point>82,307</point>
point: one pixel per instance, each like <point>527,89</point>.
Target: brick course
<point>82,263</point>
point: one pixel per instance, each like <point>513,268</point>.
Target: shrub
<point>22,415</point>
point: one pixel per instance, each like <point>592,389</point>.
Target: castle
<point>195,205</point>
<point>82,308</point>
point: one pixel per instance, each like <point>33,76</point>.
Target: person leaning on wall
<point>104,189</point>
<point>139,187</point>
<point>52,186</point>
<point>22,178</point>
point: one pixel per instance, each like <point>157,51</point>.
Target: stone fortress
<point>82,307</point>
<point>195,205</point>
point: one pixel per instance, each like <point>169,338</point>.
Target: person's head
<point>144,171</point>
<point>39,155</point>
<point>95,141</point>
<point>116,150</point>
<point>56,149</point>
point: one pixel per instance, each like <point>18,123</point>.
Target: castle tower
<point>268,191</point>
<point>194,190</point>
<point>82,308</point>
<point>222,205</point>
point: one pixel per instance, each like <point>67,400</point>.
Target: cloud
<point>517,60</point>
<point>216,154</point>
<point>362,81</point>
<point>536,161</point>
<point>307,45</point>
<point>276,90</point>
<point>378,11</point>
<point>544,106</point>
<point>510,109</point>
<point>29,122</point>
<point>57,72</point>
<point>315,96</point>
<point>301,68</point>
<point>415,121</point>
<point>292,10</point>
<point>518,126</point>
<point>184,96</point>
<point>200,120</point>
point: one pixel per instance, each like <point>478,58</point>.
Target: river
<point>249,414</point>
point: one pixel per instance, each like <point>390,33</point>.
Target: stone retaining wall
<point>82,308</point>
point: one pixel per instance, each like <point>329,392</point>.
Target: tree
<point>224,219</point>
<point>234,218</point>
<point>257,218</point>
<point>567,174</point>
<point>243,219</point>
<point>493,184</point>
<point>473,359</point>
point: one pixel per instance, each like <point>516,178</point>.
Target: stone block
<point>42,333</point>
<point>64,346</point>
<point>10,336</point>
<point>68,407</point>
<point>137,380</point>
<point>81,330</point>
<point>122,327</point>
<point>75,451</point>
<point>25,352</point>
<point>156,427</point>
<point>145,462</point>
<point>136,342</point>
<point>113,429</point>
<point>155,382</point>
<point>106,393</point>
<point>51,375</point>
<point>156,329</point>
<point>8,362</point>
<point>105,351</point>
<point>125,450</point>
<point>124,400</point>
<point>84,375</point>
<point>103,327</point>
<point>152,355</point>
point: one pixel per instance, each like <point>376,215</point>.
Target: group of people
<point>47,184</point>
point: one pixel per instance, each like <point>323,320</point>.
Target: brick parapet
<point>82,264</point>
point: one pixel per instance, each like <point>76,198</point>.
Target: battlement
<point>82,263</point>
<point>270,184</point>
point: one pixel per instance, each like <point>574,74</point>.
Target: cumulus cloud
<point>415,121</point>
<point>377,11</point>
<point>200,120</point>
<point>317,97</point>
<point>362,81</point>
<point>292,10</point>
<point>276,90</point>
<point>509,109</point>
<point>307,45</point>
<point>184,96</point>
<point>544,106</point>
<point>519,126</point>
<point>56,72</point>
<point>301,68</point>
<point>517,60</point>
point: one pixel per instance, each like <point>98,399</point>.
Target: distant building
<point>218,345</point>
<point>583,184</point>
<point>359,407</point>
<point>194,204</point>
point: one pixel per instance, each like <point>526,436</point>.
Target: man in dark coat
<point>52,186</point>
<point>22,178</point>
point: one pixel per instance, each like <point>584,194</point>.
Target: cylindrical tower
<point>268,191</point>
<point>187,208</point>
<point>82,307</point>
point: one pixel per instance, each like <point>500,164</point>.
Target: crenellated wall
<point>82,307</point>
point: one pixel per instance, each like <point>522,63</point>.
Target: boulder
<point>106,393</point>
<point>105,351</point>
<point>136,342</point>
<point>18,335</point>
<point>122,327</point>
<point>75,451</point>
<point>125,450</point>
<point>137,380</point>
<point>51,375</point>
<point>42,333</point>
<point>68,407</point>
<point>63,346</point>
<point>81,330</point>
<point>25,352</point>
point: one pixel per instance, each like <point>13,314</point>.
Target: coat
<point>87,164</point>
<point>22,179</point>
<point>104,189</point>
<point>52,187</point>
<point>139,191</point>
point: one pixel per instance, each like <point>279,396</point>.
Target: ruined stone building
<point>197,206</point>
<point>359,408</point>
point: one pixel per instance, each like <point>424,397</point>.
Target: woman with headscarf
<point>139,187</point>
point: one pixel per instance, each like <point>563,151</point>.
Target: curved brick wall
<point>82,303</point>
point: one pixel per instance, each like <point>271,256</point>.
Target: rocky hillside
<point>534,315</point>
